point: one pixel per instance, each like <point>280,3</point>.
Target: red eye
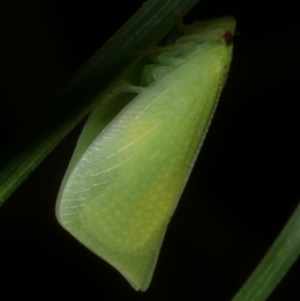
<point>227,37</point>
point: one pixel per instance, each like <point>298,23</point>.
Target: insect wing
<point>120,196</point>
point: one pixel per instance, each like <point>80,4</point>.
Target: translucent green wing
<point>119,195</point>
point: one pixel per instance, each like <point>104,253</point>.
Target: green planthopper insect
<point>133,160</point>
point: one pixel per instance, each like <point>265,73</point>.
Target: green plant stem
<point>149,24</point>
<point>275,264</point>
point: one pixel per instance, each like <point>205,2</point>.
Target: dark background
<point>241,192</point>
